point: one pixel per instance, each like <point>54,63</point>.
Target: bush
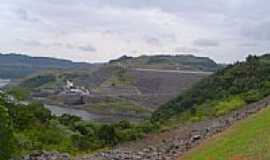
<point>252,96</point>
<point>19,93</point>
<point>7,140</point>
<point>228,105</point>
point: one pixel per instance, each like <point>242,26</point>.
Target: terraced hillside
<point>135,91</point>
<point>113,90</point>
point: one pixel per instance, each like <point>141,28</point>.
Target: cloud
<point>113,27</point>
<point>186,50</point>
<point>83,48</point>
<point>152,41</point>
<point>206,43</point>
<point>25,16</point>
<point>30,43</point>
<point>87,48</point>
<point>258,31</point>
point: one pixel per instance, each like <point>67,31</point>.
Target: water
<point>58,111</point>
<point>4,82</point>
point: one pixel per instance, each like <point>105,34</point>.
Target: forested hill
<point>18,65</point>
<point>181,62</point>
<point>222,92</point>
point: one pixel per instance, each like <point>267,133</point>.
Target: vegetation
<point>186,62</point>
<point>222,92</point>
<point>20,93</point>
<point>248,139</point>
<point>38,81</point>
<point>7,140</point>
<point>34,128</point>
<point>19,66</point>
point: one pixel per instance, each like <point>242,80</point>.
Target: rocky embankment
<point>172,144</point>
<point>42,155</point>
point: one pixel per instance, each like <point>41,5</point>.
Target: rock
<point>195,138</point>
<point>43,155</point>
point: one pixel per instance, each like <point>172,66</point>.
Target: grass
<point>205,111</point>
<point>247,140</point>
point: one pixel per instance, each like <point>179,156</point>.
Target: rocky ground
<point>42,155</point>
<point>172,144</point>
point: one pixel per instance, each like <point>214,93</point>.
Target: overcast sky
<point>98,30</point>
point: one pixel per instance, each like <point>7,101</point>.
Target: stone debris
<point>43,155</point>
<point>173,147</point>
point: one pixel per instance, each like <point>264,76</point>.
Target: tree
<point>108,134</point>
<point>7,140</point>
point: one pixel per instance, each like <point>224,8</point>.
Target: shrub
<point>7,140</point>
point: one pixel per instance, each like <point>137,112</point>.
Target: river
<point>58,111</point>
<point>4,82</point>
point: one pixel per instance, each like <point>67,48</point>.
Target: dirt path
<point>172,144</point>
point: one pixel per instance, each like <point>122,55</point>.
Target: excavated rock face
<point>43,155</point>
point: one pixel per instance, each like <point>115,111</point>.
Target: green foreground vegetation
<point>246,140</point>
<point>32,127</point>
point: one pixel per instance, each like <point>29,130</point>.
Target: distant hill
<point>18,65</point>
<point>222,92</point>
<point>180,62</point>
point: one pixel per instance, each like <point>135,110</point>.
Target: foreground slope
<point>248,139</point>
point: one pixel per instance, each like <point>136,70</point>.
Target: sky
<point>100,30</point>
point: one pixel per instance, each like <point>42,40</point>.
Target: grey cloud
<point>257,31</point>
<point>184,49</point>
<point>31,43</point>
<point>24,15</point>
<point>248,44</point>
<point>87,48</point>
<point>115,23</point>
<point>84,48</point>
<point>152,41</point>
<point>206,43</point>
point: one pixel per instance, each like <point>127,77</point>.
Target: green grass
<point>207,110</point>
<point>229,105</point>
<point>247,140</point>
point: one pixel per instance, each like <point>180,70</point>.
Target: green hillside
<point>183,62</point>
<point>220,93</point>
<point>246,140</point>
<point>89,79</point>
<point>18,65</point>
